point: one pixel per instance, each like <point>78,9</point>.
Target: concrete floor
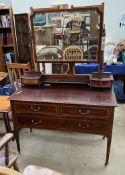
<point>74,153</point>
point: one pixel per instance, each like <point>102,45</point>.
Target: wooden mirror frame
<point>100,11</point>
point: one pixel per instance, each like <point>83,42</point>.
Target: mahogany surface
<point>61,107</point>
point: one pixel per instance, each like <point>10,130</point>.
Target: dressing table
<point>67,102</point>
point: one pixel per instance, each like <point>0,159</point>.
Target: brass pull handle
<point>35,108</point>
<point>83,126</point>
<point>100,83</point>
<point>36,122</point>
<point>84,113</point>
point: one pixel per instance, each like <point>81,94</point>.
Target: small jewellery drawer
<point>35,108</point>
<point>84,112</point>
<point>101,84</point>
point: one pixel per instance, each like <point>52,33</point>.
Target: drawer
<point>101,84</point>
<point>85,112</point>
<point>95,126</point>
<point>38,122</point>
<point>35,108</point>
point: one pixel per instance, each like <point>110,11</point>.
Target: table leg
<point>16,135</point>
<point>108,150</point>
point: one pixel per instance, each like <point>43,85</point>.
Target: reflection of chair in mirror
<point>49,54</point>
<point>91,53</point>
<point>7,158</point>
<point>73,53</point>
<point>57,31</point>
<point>40,35</point>
<point>73,30</point>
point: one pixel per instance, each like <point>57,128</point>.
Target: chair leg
<point>6,123</point>
<point>15,166</point>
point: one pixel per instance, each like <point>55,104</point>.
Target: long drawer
<point>84,111</point>
<point>92,126</point>
<point>35,108</point>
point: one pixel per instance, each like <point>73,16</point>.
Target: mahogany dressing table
<point>70,102</point>
<point>71,108</point>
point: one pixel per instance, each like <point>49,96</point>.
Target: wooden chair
<point>5,104</point>
<point>7,158</point>
<point>73,53</point>
<point>15,70</point>
<point>29,170</point>
<point>5,107</point>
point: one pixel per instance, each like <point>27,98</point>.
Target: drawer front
<point>35,108</point>
<point>95,126</point>
<point>85,112</point>
<point>38,122</point>
<point>101,84</point>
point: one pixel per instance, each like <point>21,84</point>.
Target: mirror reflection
<point>55,31</point>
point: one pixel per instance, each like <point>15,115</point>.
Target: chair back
<point>15,70</point>
<point>73,53</point>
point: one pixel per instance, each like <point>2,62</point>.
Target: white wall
<point>6,2</point>
<point>113,8</point>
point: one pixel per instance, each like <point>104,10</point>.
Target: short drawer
<point>38,122</point>
<point>85,112</point>
<point>101,84</point>
<point>97,127</point>
<point>35,108</point>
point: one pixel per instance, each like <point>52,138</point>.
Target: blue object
<point>115,69</point>
<point>6,90</point>
<point>118,89</point>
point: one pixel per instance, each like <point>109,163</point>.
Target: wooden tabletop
<point>61,94</point>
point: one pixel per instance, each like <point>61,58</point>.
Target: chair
<point>15,70</point>
<point>7,158</point>
<point>5,104</point>
<point>29,170</point>
<point>5,107</point>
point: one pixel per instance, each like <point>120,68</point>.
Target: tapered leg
<point>108,150</point>
<point>16,135</point>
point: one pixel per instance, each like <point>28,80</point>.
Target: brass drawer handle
<point>100,83</point>
<point>36,122</point>
<point>35,108</point>
<point>84,126</point>
<point>84,113</point>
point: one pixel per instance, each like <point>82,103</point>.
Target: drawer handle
<point>100,83</point>
<point>36,122</point>
<point>84,113</point>
<point>35,108</point>
<point>83,126</point>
